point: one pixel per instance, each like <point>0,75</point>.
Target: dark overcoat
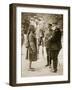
<point>55,40</point>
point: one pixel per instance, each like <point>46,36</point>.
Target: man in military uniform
<point>55,46</point>
<point>48,35</point>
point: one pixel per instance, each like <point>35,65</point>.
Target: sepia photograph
<point>40,44</point>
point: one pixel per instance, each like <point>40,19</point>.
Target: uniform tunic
<point>48,35</point>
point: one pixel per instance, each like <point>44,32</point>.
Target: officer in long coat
<point>55,46</point>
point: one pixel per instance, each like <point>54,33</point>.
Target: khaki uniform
<point>48,35</point>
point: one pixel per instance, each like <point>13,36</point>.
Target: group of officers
<point>51,39</point>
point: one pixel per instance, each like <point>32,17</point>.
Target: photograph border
<point>12,40</point>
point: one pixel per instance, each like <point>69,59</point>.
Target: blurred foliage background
<point>40,22</point>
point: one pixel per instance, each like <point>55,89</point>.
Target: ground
<point>39,65</point>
